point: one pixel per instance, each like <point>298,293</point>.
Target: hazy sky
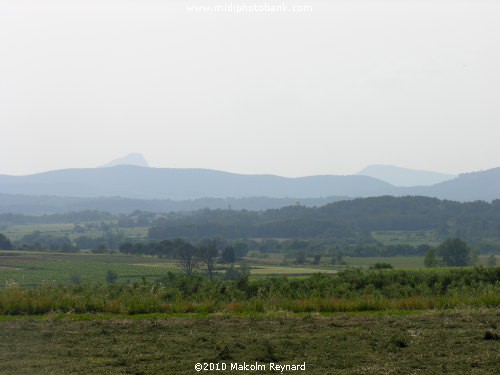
<point>352,83</point>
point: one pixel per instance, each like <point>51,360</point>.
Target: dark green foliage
<point>48,242</point>
<point>317,259</point>
<point>240,249</point>
<point>349,290</point>
<point>100,249</point>
<point>111,276</point>
<point>455,253</point>
<point>300,257</point>
<point>431,258</point>
<point>188,256</point>
<point>240,274</point>
<point>337,258</point>
<point>347,221</point>
<point>489,335</point>
<point>381,266</point>
<point>107,241</point>
<point>5,243</point>
<point>228,255</point>
<point>208,253</point>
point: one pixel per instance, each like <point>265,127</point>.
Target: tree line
<point>347,222</point>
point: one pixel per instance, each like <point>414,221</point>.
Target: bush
<point>111,276</point>
<point>381,266</point>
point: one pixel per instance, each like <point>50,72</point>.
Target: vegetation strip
<point>348,290</point>
<point>458,341</point>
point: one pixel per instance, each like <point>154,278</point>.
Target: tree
<point>5,243</point>
<point>300,257</point>
<point>317,259</point>
<point>381,266</point>
<point>233,273</point>
<point>188,257</point>
<point>111,276</point>
<point>338,259</point>
<point>209,252</point>
<point>455,253</point>
<point>228,255</point>
<point>100,249</point>
<point>430,259</point>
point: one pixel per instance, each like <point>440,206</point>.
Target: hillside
<point>37,205</point>
<point>483,185</point>
<point>349,221</point>
<point>398,176</point>
<point>180,184</point>
<point>143,183</point>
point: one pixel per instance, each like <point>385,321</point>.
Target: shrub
<point>111,276</point>
<point>381,266</point>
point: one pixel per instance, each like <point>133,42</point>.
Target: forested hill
<point>39,205</point>
<point>348,220</point>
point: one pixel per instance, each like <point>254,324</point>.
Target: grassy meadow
<point>461,341</point>
<point>31,267</point>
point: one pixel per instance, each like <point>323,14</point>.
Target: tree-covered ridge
<point>349,220</point>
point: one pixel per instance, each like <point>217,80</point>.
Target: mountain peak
<point>130,159</point>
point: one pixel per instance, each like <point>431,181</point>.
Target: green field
<point>402,321</point>
<point>449,342</point>
<point>28,268</point>
<point>16,232</point>
<point>38,267</point>
<point>414,238</point>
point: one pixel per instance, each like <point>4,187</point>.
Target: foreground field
<point>450,342</point>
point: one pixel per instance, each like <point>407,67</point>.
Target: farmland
<point>39,267</point>
<point>110,300</point>
<point>28,268</point>
<point>449,342</point>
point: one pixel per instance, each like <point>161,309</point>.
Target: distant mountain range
<point>399,176</point>
<point>124,188</point>
<point>180,184</point>
<point>130,159</point>
<point>483,185</point>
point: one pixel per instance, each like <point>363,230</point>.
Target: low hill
<point>483,185</point>
<point>145,183</point>
<point>399,176</point>
<point>349,221</point>
<point>37,205</point>
<point>180,184</point>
